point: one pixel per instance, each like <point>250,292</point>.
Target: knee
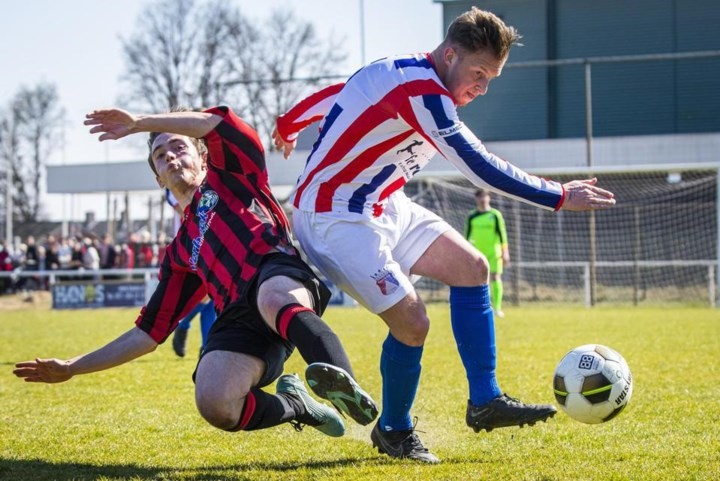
<point>479,271</point>
<point>219,412</point>
<point>414,331</point>
<point>278,292</point>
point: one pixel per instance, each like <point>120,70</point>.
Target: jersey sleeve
<point>177,293</point>
<point>234,146</point>
<point>436,119</point>
<point>306,112</point>
<point>502,230</point>
<point>468,223</point>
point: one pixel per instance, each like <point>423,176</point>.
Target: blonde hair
<point>478,29</point>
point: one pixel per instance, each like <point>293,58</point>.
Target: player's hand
<point>43,370</point>
<point>585,195</point>
<point>281,144</point>
<point>113,123</point>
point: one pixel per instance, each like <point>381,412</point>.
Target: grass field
<point>138,422</point>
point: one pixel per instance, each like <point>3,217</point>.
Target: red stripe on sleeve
<point>562,199</point>
<point>289,124</point>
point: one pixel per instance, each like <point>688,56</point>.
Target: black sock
<point>312,336</point>
<point>263,410</point>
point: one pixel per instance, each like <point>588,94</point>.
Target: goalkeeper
<point>485,229</point>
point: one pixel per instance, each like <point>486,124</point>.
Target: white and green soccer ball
<point>592,383</point>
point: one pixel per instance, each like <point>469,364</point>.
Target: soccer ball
<point>592,383</point>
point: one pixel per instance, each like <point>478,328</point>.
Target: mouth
<point>467,98</point>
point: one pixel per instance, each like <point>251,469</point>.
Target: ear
<point>449,54</point>
<point>204,161</point>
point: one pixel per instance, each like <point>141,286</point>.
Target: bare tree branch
<point>209,53</point>
<point>159,55</point>
<point>29,131</point>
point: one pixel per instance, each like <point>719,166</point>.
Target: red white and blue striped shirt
<point>381,127</point>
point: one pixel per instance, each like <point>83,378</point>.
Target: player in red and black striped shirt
<point>233,245</point>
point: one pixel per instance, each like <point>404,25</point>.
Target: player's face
<point>176,161</point>
<point>483,201</point>
<point>469,74</point>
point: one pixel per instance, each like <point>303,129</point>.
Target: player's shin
<point>400,368</point>
<point>473,325</point>
<point>313,338</point>
<point>262,410</point>
<point>329,373</point>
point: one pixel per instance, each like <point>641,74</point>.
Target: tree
<point>158,56</point>
<point>201,54</point>
<point>30,128</point>
<point>290,61</point>
<point>8,148</point>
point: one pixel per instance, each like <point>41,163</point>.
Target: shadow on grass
<point>39,470</point>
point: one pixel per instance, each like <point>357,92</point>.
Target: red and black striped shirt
<point>232,222</point>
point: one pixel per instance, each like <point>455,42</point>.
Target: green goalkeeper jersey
<point>486,231</point>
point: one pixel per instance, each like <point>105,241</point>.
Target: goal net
<point>657,245</point>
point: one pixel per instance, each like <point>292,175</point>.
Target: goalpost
<point>658,245</point>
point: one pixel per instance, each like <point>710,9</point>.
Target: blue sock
<point>207,319</point>
<point>400,369</point>
<point>473,324</point>
<point>187,320</point>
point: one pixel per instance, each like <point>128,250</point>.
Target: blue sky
<point>75,45</point>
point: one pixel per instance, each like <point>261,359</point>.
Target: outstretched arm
<point>304,113</point>
<point>443,129</point>
<point>113,124</point>
<point>133,344</point>
<point>585,195</point>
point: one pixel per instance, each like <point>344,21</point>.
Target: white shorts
<point>370,258</point>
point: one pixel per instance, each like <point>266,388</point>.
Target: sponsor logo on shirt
<point>204,213</point>
<point>409,165</point>
<point>449,131</point>
<point>409,148</point>
<point>386,281</point>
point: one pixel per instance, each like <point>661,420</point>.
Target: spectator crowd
<point>82,253</point>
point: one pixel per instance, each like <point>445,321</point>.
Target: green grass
<point>138,421</point>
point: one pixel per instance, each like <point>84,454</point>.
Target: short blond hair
<point>477,29</point>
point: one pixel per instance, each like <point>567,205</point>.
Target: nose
<point>482,86</point>
<point>170,155</point>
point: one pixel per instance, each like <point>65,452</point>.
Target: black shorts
<point>241,328</point>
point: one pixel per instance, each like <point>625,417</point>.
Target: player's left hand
<point>43,370</point>
<point>585,195</point>
<point>113,123</point>
<point>282,144</point>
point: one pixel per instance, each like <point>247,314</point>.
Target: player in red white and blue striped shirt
<point>234,245</point>
<point>377,131</point>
